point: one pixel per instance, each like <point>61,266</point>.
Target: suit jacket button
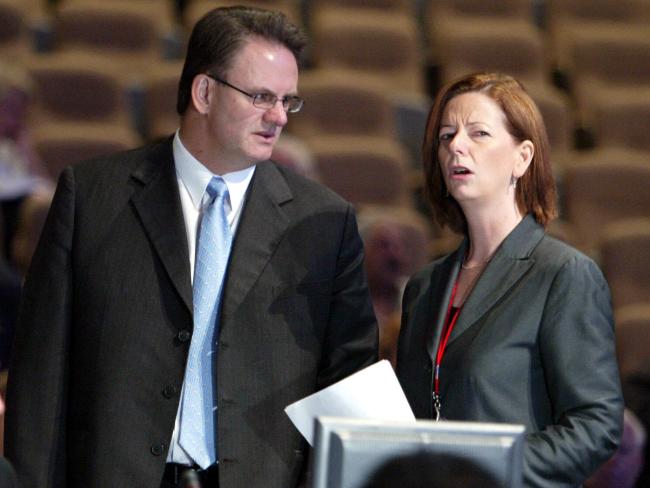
<point>157,449</point>
<point>184,335</point>
<point>169,391</point>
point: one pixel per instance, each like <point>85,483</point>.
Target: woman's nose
<point>458,144</point>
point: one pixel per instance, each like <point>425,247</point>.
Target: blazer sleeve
<point>37,388</point>
<point>351,341</point>
<point>577,348</point>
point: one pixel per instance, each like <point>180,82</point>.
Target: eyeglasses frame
<point>255,96</point>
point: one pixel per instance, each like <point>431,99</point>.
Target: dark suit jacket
<point>105,326</point>
<point>7,475</point>
<point>534,344</point>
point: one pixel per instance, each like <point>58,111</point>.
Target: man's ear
<point>201,95</point>
<point>525,157</point>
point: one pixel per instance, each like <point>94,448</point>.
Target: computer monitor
<point>348,451</point>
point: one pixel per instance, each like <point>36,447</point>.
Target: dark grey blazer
<point>106,320</point>
<point>534,344</point>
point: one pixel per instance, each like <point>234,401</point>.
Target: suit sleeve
<point>351,342</point>
<point>577,347</point>
<point>37,390</point>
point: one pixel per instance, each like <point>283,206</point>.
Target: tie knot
<point>217,187</point>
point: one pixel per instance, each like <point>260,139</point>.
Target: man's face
<point>242,134</point>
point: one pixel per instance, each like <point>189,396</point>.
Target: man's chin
<point>262,154</point>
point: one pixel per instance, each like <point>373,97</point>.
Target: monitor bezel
<point>325,426</point>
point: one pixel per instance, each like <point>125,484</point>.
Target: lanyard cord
<point>450,322</point>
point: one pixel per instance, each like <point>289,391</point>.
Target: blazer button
<point>169,391</point>
<point>184,335</point>
<point>157,449</point>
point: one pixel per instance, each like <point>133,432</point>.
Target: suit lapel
<point>443,278</point>
<point>262,225</point>
<point>158,204</point>
<point>509,264</point>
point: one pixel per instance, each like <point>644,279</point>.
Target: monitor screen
<point>348,451</point>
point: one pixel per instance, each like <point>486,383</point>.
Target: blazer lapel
<point>158,204</point>
<point>508,265</point>
<point>443,278</point>
<point>263,222</point>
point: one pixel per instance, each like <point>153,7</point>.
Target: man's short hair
<point>221,33</point>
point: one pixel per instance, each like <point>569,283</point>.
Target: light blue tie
<point>198,414</point>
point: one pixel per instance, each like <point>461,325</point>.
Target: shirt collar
<point>196,177</point>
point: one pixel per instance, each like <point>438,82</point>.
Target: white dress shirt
<point>193,178</point>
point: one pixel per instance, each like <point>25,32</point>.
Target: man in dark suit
<point>99,393</point>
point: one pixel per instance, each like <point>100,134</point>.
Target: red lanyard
<point>450,321</point>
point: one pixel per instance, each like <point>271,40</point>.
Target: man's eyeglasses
<point>266,101</point>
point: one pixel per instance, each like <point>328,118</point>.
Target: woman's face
<point>478,156</point>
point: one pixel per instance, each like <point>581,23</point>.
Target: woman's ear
<point>201,96</point>
<point>525,157</point>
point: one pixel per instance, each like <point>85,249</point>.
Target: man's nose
<point>277,114</point>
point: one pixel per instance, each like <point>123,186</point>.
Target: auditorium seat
<point>510,46</point>
<point>160,94</point>
<point>557,112</point>
<point>619,117</point>
<point>387,5</point>
<point>130,32</point>
<point>15,38</point>
<point>77,87</point>
<point>198,8</point>
<point>604,186</point>
<point>64,144</point>
<point>343,102</point>
<point>633,339</point>
<point>625,260</point>
<point>316,8</point>
<point>567,18</point>
<point>363,169</point>
<point>381,43</point>
<point>513,9</point>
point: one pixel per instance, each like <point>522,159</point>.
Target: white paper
<point>372,393</point>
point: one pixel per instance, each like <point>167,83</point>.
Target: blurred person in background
<point>29,224</point>
<point>21,170</point>
<point>636,391</point>
<point>625,466</point>
<point>396,242</point>
<point>514,326</point>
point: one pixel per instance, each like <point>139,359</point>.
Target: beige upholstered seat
<point>160,94</point>
<point>15,39</point>
<point>625,259</point>
<point>77,86</point>
<point>362,169</point>
<point>344,103</point>
<point>510,46</point>
<point>604,187</point>
<point>129,32</point>
<point>380,43</point>
<point>633,339</point>
<point>63,144</point>
<point>620,117</point>
<point>198,8</point>
<point>567,19</point>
